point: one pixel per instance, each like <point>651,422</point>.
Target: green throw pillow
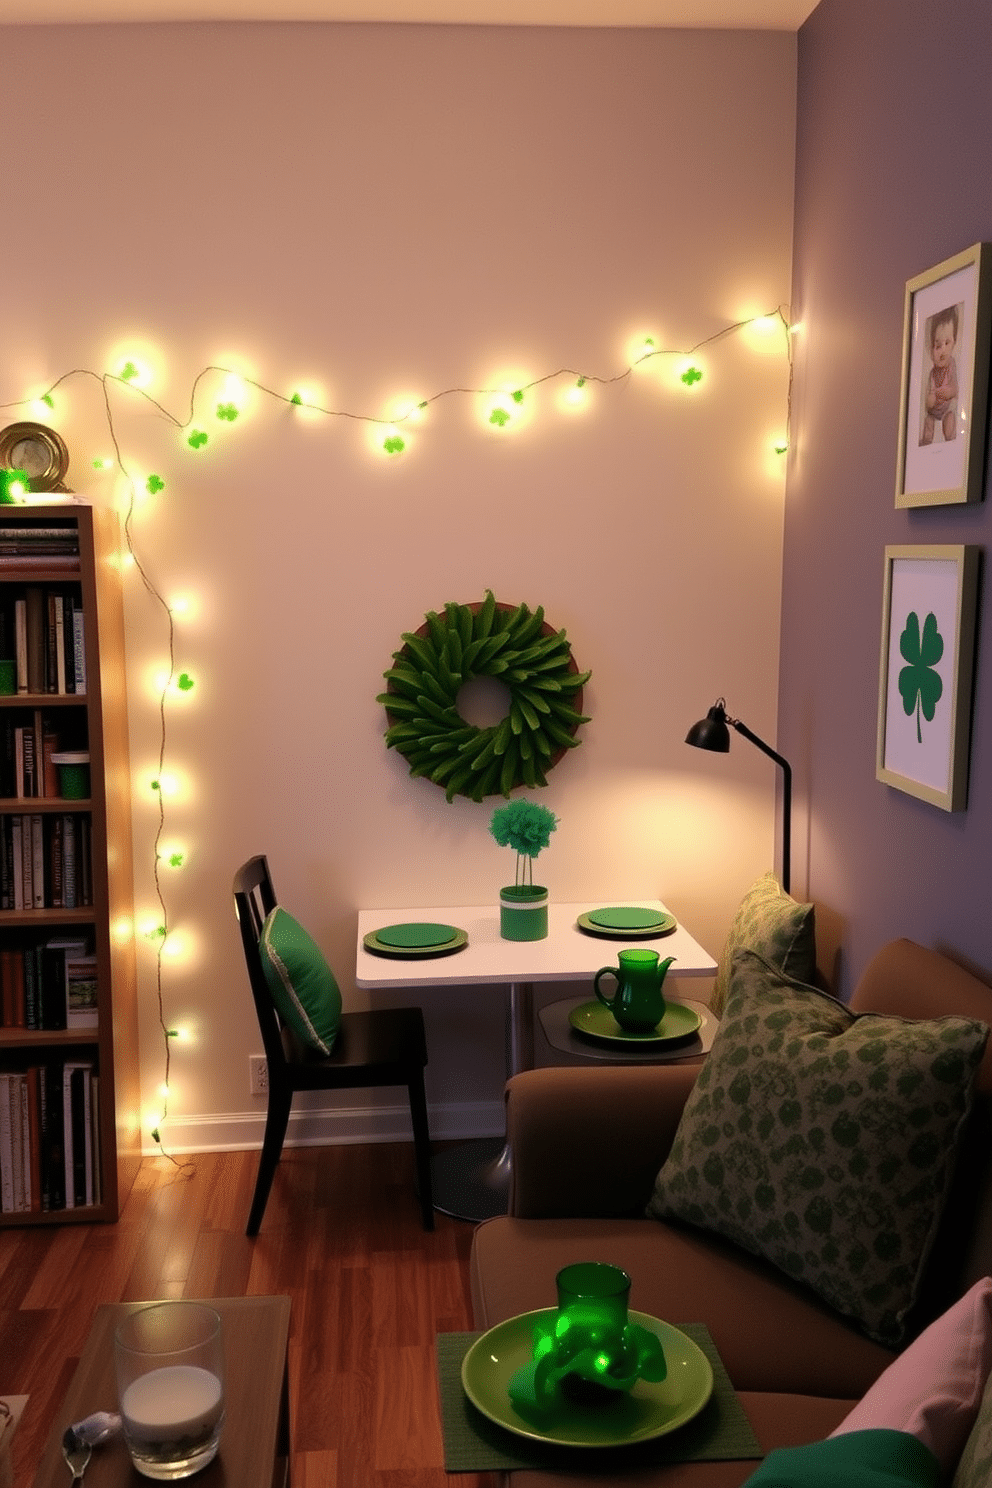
<point>823,1140</point>
<point>776,926</point>
<point>301,982</point>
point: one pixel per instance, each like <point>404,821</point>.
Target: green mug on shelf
<point>638,1003</point>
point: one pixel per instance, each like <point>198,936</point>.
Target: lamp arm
<point>786,769</point>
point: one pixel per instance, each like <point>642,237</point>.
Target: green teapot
<point>638,1003</point>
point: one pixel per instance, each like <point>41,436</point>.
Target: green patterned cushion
<point>824,1140</point>
<point>301,982</point>
<point>975,1467</point>
<point>775,925</point>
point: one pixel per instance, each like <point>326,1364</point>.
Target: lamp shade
<point>711,732</point>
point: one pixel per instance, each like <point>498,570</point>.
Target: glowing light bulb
<point>576,396</point>
<point>105,463</point>
<point>163,1090</point>
<point>641,350</point>
<point>765,325</point>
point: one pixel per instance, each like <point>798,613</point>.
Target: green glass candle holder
<point>587,1349</point>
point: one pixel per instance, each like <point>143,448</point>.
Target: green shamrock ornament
<point>394,445</point>
<point>499,417</point>
<point>297,398</point>
<point>227,411</point>
<point>184,682</point>
<point>919,684</point>
<point>154,484</point>
<point>691,375</point>
<point>197,439</point>
<point>128,371</point>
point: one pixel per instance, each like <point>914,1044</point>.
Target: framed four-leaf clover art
<point>924,690</point>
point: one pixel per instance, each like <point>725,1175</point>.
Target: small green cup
<point>74,774</point>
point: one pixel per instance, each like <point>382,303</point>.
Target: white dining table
<point>471,1179</point>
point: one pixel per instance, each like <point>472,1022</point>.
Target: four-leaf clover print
<point>919,684</point>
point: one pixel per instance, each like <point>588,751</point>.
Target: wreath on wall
<point>517,646</point>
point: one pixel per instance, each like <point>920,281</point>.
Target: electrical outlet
<point>258,1074</point>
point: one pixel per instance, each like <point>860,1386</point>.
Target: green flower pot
<point>523,912</point>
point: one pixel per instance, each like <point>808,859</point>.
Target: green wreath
<point>486,639</point>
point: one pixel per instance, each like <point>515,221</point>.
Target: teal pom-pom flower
<point>523,825</point>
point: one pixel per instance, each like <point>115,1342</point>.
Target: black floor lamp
<point>713,732</point>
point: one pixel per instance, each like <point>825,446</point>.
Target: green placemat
<point>473,1443</point>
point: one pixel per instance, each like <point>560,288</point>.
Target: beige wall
<point>410,210</point>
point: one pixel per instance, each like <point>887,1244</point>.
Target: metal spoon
<point>76,1453</point>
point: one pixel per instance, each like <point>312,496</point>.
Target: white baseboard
<point>237,1131</point>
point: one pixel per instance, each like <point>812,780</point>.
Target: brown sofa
<point>587,1145</point>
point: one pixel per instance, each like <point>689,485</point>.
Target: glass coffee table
<point>255,1445</point>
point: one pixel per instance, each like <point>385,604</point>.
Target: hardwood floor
<point>341,1237</point>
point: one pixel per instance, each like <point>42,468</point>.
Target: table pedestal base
<point>471,1181</point>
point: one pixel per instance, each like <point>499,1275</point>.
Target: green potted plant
<point>523,905</point>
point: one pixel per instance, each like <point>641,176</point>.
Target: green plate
<point>415,941</point>
<point>416,937</point>
<point>628,923</point>
<point>594,1020</point>
<point>646,1411</point>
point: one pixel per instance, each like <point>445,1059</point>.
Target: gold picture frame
<point>929,609</point>
<point>947,325</point>
<point>38,451</point>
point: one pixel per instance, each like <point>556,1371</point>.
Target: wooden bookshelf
<point>53,896</point>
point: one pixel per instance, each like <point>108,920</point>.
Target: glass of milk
<point>170,1384</point>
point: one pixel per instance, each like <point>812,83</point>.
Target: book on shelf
<point>79,649</point>
<point>21,643</point>
<point>81,983</point>
<point>34,597</point>
<point>79,1156</point>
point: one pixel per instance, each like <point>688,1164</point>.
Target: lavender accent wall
<point>893,154</point>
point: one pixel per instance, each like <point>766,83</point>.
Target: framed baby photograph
<point>945,382</point>
<point>924,691</point>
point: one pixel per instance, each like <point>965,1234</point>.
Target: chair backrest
<point>254,898</point>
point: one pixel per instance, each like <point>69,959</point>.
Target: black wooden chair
<point>382,1047</point>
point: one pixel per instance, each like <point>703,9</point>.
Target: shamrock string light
<point>505,406</point>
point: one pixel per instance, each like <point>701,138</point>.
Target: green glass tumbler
<point>592,1309</point>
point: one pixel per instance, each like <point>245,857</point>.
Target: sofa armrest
<point>589,1142</point>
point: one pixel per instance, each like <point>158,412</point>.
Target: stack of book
<point>46,861</point>
<point>44,629</point>
<point>45,545</point>
<point>48,984</point>
<point>49,1146</point>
